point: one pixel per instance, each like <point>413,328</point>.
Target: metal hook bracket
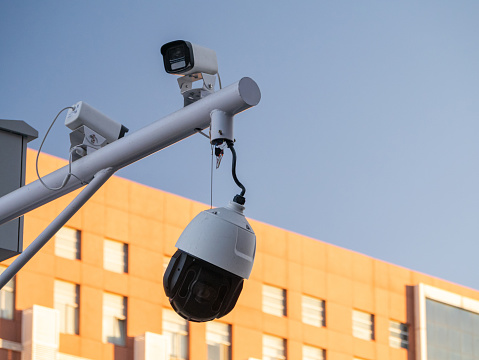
<point>190,94</point>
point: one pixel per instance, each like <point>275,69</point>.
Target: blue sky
<point>365,137</point>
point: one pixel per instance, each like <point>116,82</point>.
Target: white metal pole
<point>164,132</point>
<point>98,180</point>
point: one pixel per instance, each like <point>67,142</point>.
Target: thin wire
<point>70,160</point>
<point>212,150</point>
<point>40,150</point>
<point>198,130</point>
<point>70,174</point>
<point>219,80</point>
<point>211,179</point>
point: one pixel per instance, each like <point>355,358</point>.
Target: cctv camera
<point>184,58</point>
<point>215,254</point>
<point>83,114</point>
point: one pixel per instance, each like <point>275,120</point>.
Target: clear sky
<point>366,136</point>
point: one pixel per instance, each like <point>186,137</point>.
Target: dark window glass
<point>452,333</point>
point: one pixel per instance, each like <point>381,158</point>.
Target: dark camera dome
<point>199,291</point>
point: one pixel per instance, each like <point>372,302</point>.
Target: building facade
<point>95,291</point>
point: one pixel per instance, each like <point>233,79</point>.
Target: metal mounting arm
<point>164,132</point>
<point>98,180</point>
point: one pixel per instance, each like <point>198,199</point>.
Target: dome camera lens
<point>204,292</point>
<point>199,291</point>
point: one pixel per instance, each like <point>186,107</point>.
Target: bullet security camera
<point>184,58</point>
<point>215,254</point>
<point>83,114</point>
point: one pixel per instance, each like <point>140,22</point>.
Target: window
<point>363,325</point>
<point>176,329</point>
<point>218,338</point>
<point>313,311</point>
<point>274,300</point>
<point>312,353</point>
<point>114,319</point>
<point>451,332</point>
<point>67,243</point>
<point>398,335</point>
<point>274,348</point>
<point>115,256</point>
<point>66,301</point>
<point>7,298</point>
<point>449,324</point>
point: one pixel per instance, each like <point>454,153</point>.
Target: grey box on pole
<point>14,136</point>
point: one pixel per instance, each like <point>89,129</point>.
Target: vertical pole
<point>98,180</point>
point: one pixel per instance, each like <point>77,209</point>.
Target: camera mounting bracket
<point>84,141</point>
<point>191,95</point>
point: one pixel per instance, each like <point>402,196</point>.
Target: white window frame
<point>7,298</point>
<point>115,256</point>
<point>313,353</point>
<point>219,335</point>
<point>66,301</point>
<point>274,348</point>
<point>422,292</point>
<point>274,300</point>
<point>177,330</point>
<point>114,319</point>
<point>313,311</point>
<point>363,325</point>
<point>68,243</point>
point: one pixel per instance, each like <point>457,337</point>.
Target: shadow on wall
<point>124,352</point>
<point>410,322</point>
<point>11,330</point>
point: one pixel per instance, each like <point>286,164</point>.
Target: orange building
<point>95,291</point>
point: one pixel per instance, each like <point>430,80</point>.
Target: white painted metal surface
<point>175,127</point>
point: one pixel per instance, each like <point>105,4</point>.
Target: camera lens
<point>204,293</point>
<point>177,57</point>
<point>200,291</point>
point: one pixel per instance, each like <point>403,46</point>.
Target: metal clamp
<point>191,95</point>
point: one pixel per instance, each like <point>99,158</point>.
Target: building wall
<point>150,221</point>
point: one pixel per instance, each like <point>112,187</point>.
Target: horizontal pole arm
<point>164,132</point>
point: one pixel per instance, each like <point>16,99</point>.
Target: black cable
<point>233,171</point>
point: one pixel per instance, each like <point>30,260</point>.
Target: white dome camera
<point>215,254</point>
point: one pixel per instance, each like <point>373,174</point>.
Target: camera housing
<point>83,114</point>
<point>184,58</point>
<point>205,276</point>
